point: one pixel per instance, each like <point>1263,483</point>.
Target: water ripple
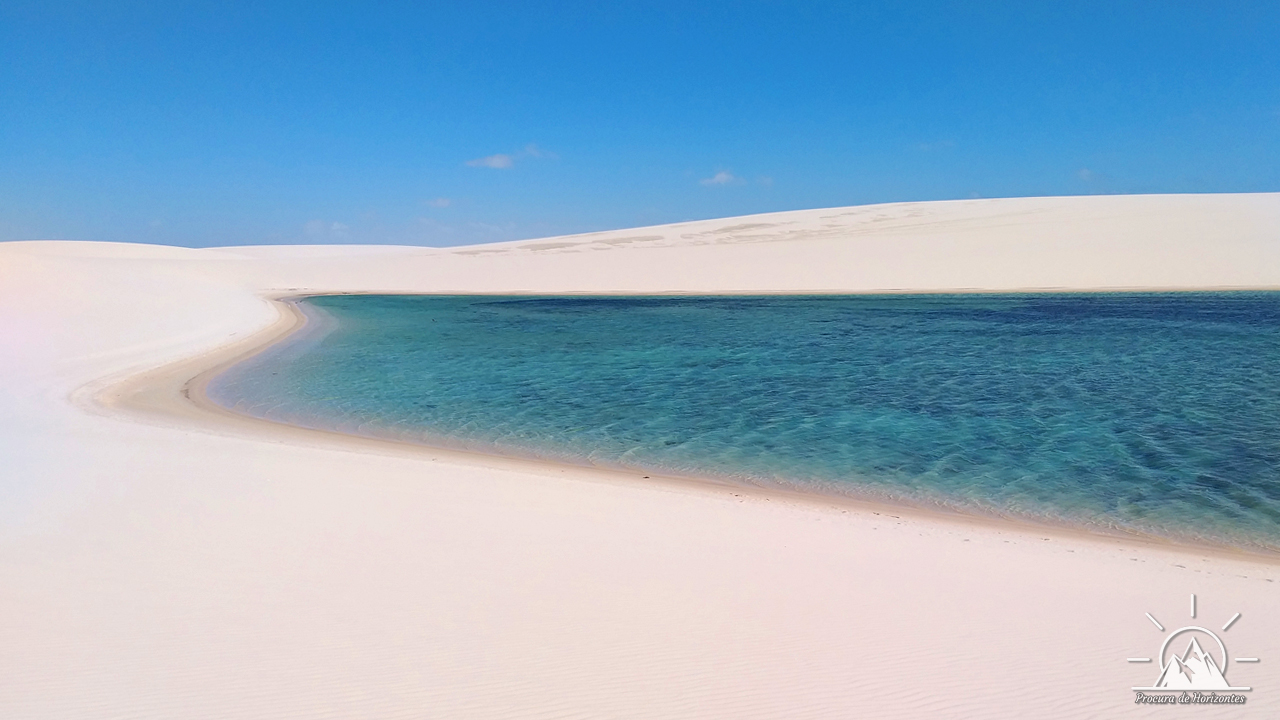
<point>1151,412</point>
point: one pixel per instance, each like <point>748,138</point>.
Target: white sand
<point>158,560</point>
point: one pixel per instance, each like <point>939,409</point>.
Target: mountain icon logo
<point>1197,668</point>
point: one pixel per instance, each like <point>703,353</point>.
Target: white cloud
<point>1084,174</point>
<point>723,177</point>
<point>440,202</point>
<point>503,161</point>
<point>316,228</point>
<point>764,180</point>
<point>497,162</point>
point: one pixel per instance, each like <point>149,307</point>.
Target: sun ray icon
<point>1196,668</point>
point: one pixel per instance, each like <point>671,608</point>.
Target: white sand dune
<point>161,560</point>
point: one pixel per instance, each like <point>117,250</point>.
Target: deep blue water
<point>1147,412</point>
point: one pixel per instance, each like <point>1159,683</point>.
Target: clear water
<point>1155,413</point>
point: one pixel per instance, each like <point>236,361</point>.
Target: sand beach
<point>163,557</point>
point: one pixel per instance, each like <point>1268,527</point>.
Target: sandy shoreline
<point>167,558</point>
<point>154,393</point>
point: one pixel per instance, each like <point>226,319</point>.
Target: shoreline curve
<point>179,391</point>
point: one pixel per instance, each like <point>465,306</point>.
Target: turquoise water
<point>1156,413</point>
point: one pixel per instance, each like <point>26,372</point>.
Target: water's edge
<point>314,324</point>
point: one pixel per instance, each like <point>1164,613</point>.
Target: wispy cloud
<point>1085,174</point>
<point>318,228</point>
<point>440,202</point>
<point>724,177</point>
<point>505,161</point>
<point>497,162</point>
<point>534,151</point>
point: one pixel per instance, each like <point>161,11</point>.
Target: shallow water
<point>1156,413</point>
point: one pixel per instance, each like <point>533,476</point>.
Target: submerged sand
<point>163,558</point>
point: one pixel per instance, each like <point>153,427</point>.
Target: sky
<point>447,123</point>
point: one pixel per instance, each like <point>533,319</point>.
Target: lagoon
<point>1153,413</point>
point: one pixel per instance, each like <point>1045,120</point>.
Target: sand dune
<point>161,560</point>
<point>1092,242</point>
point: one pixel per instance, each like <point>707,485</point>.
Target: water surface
<point>1144,412</point>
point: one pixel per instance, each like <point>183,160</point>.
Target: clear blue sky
<point>214,123</point>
